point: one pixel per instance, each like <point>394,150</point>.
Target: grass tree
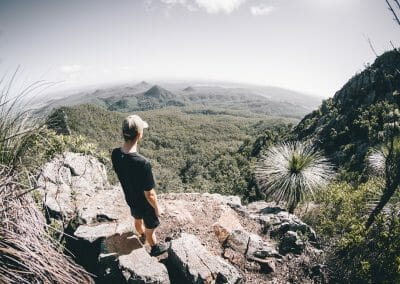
<point>292,172</point>
<point>386,162</point>
<point>387,159</point>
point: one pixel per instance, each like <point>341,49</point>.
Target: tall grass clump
<point>292,172</point>
<point>27,252</point>
<point>17,122</point>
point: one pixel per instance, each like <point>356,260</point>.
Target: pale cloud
<point>70,69</point>
<point>216,6</point>
<point>261,10</point>
<point>210,6</point>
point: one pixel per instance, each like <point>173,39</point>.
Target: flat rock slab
<point>104,205</point>
<point>198,265</point>
<point>140,267</point>
<point>93,232</point>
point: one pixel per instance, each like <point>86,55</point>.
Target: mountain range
<point>145,96</point>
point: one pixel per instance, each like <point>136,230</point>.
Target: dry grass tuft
<point>27,253</point>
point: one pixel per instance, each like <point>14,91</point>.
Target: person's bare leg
<point>150,236</point>
<point>139,226</point>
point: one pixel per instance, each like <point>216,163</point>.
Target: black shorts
<point>149,217</point>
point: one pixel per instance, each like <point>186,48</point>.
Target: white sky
<point>313,46</point>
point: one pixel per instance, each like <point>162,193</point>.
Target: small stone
<point>226,224</point>
<point>239,240</point>
<point>291,243</point>
<point>252,266</point>
<point>266,265</point>
<point>234,257</point>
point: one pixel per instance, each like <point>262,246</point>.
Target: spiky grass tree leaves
<point>292,172</point>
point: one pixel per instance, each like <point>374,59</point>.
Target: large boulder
<point>140,267</point>
<point>198,265</point>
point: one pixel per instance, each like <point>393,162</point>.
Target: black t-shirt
<point>135,175</point>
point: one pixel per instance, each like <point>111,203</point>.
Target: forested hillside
<point>191,149</point>
<point>357,215</point>
<point>351,122</point>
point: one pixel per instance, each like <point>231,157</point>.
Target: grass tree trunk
<point>382,202</point>
<point>295,201</point>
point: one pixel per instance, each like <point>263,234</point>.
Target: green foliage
<point>55,231</point>
<point>357,254</point>
<point>341,205</point>
<point>369,256</point>
<point>45,143</point>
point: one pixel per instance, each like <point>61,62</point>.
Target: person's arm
<point>151,197</point>
<point>149,191</point>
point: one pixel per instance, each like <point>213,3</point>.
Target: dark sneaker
<point>142,239</point>
<point>158,249</point>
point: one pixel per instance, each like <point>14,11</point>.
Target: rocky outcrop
<point>75,191</point>
<point>276,221</point>
<point>213,238</point>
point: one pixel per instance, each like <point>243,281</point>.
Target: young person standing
<point>136,178</point>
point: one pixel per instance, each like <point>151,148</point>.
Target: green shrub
<point>369,256</point>
<point>355,254</point>
<point>340,206</point>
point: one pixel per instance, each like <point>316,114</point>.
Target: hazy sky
<point>312,46</point>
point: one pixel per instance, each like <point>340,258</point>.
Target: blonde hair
<point>132,126</point>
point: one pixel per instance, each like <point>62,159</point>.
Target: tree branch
<point>393,11</point>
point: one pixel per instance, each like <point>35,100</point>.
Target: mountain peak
<point>189,89</point>
<point>158,92</point>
